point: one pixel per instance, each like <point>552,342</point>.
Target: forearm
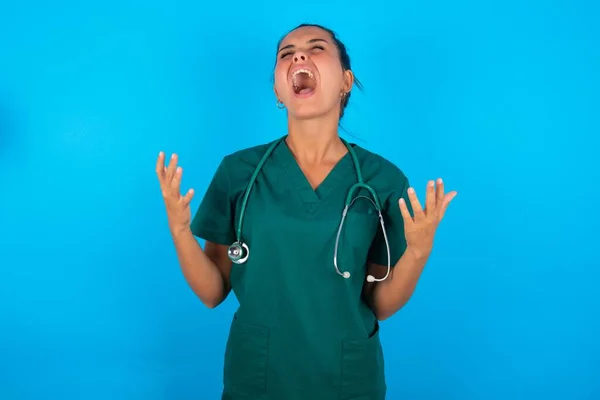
<point>201,273</point>
<point>389,296</point>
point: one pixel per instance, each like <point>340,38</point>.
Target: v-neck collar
<point>300,184</point>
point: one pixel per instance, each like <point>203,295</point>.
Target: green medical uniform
<point>302,331</point>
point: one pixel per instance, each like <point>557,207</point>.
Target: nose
<point>300,57</point>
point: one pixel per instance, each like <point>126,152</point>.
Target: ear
<point>275,91</point>
<point>348,80</point>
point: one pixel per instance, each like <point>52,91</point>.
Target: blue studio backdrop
<point>500,98</point>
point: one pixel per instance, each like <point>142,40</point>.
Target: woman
<point>310,296</point>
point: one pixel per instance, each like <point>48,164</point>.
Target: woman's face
<point>309,78</point>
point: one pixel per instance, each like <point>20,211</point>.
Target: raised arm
<point>412,236</point>
<point>206,271</point>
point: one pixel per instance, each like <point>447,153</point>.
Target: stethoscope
<point>239,252</point>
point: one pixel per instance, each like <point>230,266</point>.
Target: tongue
<point>303,84</point>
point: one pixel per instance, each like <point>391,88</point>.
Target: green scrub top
<point>302,331</point>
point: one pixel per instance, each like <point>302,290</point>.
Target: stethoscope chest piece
<point>238,252</point>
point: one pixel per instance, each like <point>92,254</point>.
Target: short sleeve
<point>214,217</point>
<point>394,227</point>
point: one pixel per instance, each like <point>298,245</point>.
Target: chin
<point>308,108</point>
<point>304,113</point>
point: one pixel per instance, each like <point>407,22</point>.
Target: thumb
<point>185,200</point>
<point>447,199</point>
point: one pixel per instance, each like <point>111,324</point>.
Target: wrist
<point>179,231</point>
<point>419,254</point>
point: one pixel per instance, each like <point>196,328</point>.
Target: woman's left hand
<point>420,229</point>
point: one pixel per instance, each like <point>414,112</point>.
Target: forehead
<point>304,34</point>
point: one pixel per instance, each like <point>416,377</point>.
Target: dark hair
<point>344,59</point>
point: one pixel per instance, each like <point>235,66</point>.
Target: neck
<point>315,140</point>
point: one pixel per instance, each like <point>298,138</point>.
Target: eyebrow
<point>290,46</point>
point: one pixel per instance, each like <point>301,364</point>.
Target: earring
<point>280,105</point>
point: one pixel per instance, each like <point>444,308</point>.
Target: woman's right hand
<point>178,207</point>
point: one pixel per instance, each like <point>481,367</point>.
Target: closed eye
<point>287,53</point>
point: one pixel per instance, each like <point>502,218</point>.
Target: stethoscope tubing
<point>239,251</point>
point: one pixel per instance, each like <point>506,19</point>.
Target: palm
<point>420,227</point>
<point>177,205</point>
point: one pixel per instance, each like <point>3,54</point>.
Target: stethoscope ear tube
<point>346,274</point>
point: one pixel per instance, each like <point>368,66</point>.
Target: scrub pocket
<point>246,356</point>
<point>363,369</point>
<point>360,228</point>
<point>359,231</point>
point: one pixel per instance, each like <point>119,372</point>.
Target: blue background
<point>500,98</point>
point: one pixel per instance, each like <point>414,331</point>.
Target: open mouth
<point>303,82</point>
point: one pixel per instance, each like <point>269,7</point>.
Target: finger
<point>439,193</point>
<point>405,212</point>
<point>447,199</point>
<point>430,198</point>
<point>160,166</point>
<point>415,204</point>
<point>185,200</point>
<point>176,182</point>
<point>171,169</point>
